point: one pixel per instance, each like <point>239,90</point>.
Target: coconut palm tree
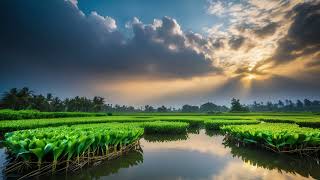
<point>10,99</point>
<point>24,98</point>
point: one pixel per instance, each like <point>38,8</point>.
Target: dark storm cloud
<point>55,36</point>
<point>303,36</point>
<point>235,42</point>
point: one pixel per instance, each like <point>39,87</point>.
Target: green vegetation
<point>303,119</point>
<point>70,142</point>
<point>67,139</point>
<point>8,114</point>
<point>237,107</point>
<point>78,142</point>
<point>10,125</point>
<point>277,137</point>
<point>24,99</point>
<point>313,121</point>
<point>165,127</point>
<point>217,124</point>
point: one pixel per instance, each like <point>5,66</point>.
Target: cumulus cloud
<point>106,22</point>
<point>65,38</point>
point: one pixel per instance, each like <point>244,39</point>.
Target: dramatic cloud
<point>236,41</point>
<point>267,30</point>
<point>303,36</point>
<point>58,35</point>
<point>248,49</point>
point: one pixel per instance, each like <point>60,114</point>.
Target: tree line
<point>286,106</point>
<point>24,98</point>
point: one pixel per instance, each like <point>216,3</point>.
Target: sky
<point>175,52</point>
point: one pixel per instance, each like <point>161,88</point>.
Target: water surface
<point>197,156</point>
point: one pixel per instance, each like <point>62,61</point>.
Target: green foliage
<point>165,127</point>
<point>276,136</point>
<point>69,142</point>
<point>313,122</point>
<point>11,125</point>
<point>217,124</point>
<point>302,119</point>
<point>165,137</point>
<point>8,114</point>
<point>237,107</point>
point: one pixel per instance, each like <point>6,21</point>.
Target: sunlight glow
<point>251,76</point>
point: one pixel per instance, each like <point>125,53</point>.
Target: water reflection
<point>304,166</point>
<point>106,168</point>
<point>194,129</point>
<point>213,133</point>
<point>198,156</point>
<point>198,143</point>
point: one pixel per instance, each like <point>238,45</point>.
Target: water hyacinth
<point>165,127</point>
<point>69,142</point>
<point>216,124</point>
<point>278,137</point>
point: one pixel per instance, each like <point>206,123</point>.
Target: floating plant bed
<point>284,138</point>
<point>69,148</point>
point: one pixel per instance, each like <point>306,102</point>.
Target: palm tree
<point>10,99</point>
<point>98,103</point>
<point>24,97</point>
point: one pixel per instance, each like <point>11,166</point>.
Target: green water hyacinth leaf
<point>71,148</point>
<point>292,139</point>
<point>280,136</point>
<point>38,152</point>
<point>24,154</point>
<point>69,142</point>
<point>48,148</point>
<point>58,148</point>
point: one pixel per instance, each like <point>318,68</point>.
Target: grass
<point>217,124</point>
<point>7,114</point>
<point>304,119</point>
<point>308,121</point>
<point>277,137</point>
<point>12,125</point>
<point>162,127</point>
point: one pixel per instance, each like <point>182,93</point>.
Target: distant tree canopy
<point>286,106</point>
<point>237,107</point>
<point>19,99</point>
<point>190,108</point>
<point>210,107</point>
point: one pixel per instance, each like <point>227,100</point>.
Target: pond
<point>197,155</point>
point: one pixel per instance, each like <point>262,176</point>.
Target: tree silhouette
<point>237,107</point>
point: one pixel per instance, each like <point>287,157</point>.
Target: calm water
<point>197,156</point>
